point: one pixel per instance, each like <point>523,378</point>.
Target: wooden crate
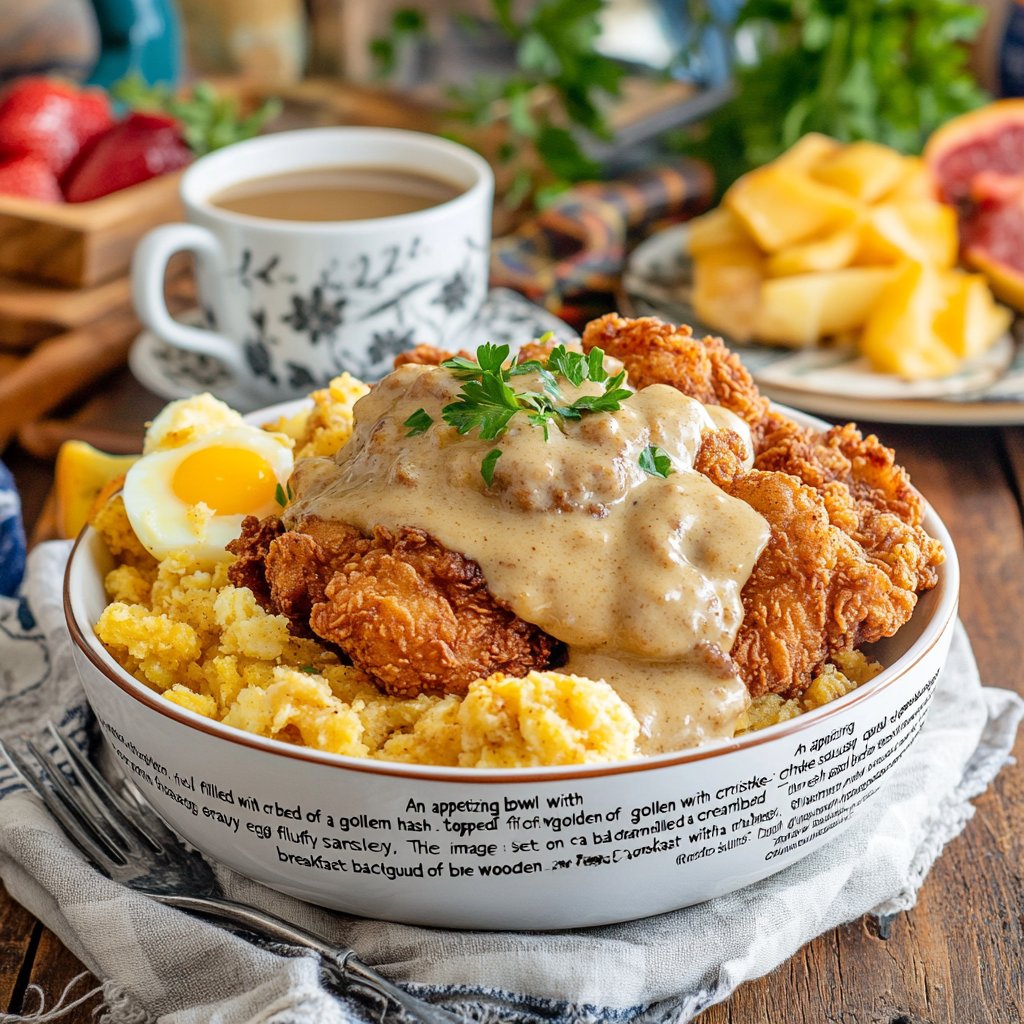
<point>80,245</point>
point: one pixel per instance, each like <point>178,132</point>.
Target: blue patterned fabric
<point>12,535</point>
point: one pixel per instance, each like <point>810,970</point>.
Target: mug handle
<point>148,266</point>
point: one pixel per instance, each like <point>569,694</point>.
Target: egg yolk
<point>231,481</point>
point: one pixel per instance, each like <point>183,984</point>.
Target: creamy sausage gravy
<point>640,576</point>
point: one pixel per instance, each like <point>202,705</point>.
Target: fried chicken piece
<point>420,618</point>
<point>250,550</point>
<point>414,615</point>
<point>862,491</point>
<point>814,591</point>
<point>429,355</point>
<point>867,495</point>
<point>654,352</point>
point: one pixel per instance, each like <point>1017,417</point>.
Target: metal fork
<point>130,844</point>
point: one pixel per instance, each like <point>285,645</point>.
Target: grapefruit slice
<point>977,161</point>
<point>988,139</point>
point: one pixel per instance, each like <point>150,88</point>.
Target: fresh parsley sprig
<point>487,402</point>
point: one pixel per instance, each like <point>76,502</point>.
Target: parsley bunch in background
<point>554,54</point>
<point>890,71</point>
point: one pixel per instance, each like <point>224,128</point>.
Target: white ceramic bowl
<point>536,848</point>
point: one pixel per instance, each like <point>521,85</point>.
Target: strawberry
<point>30,177</point>
<point>51,120</point>
<point>136,149</point>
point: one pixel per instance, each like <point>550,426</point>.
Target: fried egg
<point>194,496</point>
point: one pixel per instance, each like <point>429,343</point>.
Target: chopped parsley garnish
<point>310,670</point>
<point>488,403</point>
<point>419,422</point>
<point>655,460</point>
<point>280,497</point>
<point>487,466</point>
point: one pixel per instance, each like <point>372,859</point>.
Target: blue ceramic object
<point>1011,54</point>
<point>142,36</point>
<point>12,535</point>
<point>701,31</point>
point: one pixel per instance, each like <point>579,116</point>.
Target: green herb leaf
<point>596,370</point>
<point>889,71</point>
<point>279,496</point>
<point>655,460</point>
<point>462,368</point>
<point>310,670</point>
<point>490,357</point>
<point>571,365</point>
<point>610,401</point>
<point>550,97</point>
<point>488,404</point>
<point>487,466</point>
<point>208,121</point>
<point>418,423</point>
<point>547,378</point>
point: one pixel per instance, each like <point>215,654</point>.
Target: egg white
<point>161,519</point>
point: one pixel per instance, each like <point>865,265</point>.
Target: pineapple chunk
<point>921,230</point>
<point>718,229</point>
<point>833,252</point>
<point>799,310</point>
<point>915,183</point>
<point>727,289</point>
<point>866,170</point>
<point>80,474</point>
<point>780,206</point>
<point>900,336</point>
<point>808,151</point>
<point>971,322</point>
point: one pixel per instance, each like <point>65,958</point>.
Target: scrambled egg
<point>323,429</point>
<point>851,669</point>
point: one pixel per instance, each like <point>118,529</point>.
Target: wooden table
<point>958,957</point>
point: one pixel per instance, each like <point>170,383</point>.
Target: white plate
<point>834,382</point>
<point>506,317</point>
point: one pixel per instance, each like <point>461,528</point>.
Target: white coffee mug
<point>290,304</point>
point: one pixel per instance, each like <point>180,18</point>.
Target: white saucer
<point>506,318</point>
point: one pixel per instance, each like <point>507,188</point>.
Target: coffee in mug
<point>337,193</point>
<point>324,250</point>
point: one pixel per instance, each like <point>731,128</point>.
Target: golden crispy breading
<point>251,548</point>
<point>813,592</point>
<point>420,618</point>
<point>417,617</point>
<point>654,352</point>
<point>867,495</point>
<point>429,355</point>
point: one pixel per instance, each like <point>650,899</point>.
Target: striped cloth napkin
<point>157,964</point>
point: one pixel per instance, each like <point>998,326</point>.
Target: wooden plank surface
<point>957,957</point>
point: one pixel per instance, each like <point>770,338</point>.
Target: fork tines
<point>100,822</point>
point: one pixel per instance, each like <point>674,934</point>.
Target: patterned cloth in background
<point>12,535</point>
<point>569,258</point>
